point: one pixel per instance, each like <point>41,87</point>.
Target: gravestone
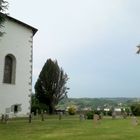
<point>96,118</point>
<point>45,114</point>
<point>114,115</point>
<point>6,118</point>
<point>82,117</point>
<point>42,115</point>
<point>124,115</point>
<point>60,115</point>
<point>32,115</point>
<point>101,116</point>
<point>2,118</point>
<point>30,118</point>
<point>37,114</point>
<point>134,121</point>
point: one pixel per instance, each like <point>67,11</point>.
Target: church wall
<point>17,41</point>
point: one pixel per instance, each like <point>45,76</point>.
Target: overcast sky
<point>94,41</point>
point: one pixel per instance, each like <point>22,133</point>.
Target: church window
<point>15,108</point>
<point>9,69</point>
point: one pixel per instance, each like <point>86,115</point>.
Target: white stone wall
<point>17,41</point>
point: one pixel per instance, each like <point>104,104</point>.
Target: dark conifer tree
<point>50,87</point>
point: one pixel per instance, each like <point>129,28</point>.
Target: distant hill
<point>97,102</point>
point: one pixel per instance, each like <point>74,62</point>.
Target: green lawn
<point>69,128</point>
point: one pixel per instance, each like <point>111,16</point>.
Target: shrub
<point>72,110</point>
<point>135,108</point>
<point>110,113</point>
<point>90,115</point>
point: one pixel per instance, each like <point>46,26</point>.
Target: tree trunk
<point>51,109</point>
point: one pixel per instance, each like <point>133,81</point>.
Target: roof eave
<point>24,24</point>
<point>20,22</point>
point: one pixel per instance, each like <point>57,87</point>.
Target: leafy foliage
<point>3,5</point>
<point>3,8</point>
<point>36,105</point>
<point>50,87</point>
<point>72,110</point>
<point>135,108</point>
<point>90,114</point>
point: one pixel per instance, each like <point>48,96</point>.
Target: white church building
<point>16,50</point>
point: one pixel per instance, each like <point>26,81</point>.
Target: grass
<point>69,128</point>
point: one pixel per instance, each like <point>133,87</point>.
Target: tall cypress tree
<point>50,87</point>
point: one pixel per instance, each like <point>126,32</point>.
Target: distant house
<point>16,47</point>
<point>107,109</point>
<point>87,109</point>
<point>118,111</point>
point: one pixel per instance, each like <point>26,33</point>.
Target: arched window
<point>9,69</point>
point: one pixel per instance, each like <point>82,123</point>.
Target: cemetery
<point>36,106</point>
<point>70,127</point>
